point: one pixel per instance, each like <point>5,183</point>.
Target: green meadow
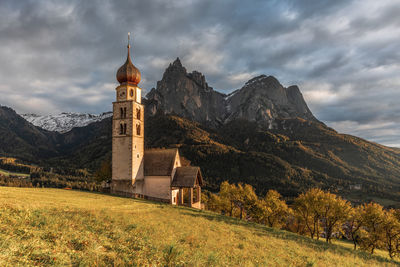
<point>72,228</point>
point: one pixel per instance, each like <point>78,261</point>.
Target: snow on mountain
<point>65,121</point>
<point>231,94</point>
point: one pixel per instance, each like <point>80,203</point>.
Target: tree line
<point>59,177</point>
<point>52,180</point>
<point>18,168</point>
<point>316,213</point>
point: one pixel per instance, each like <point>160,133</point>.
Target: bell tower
<point>128,132</point>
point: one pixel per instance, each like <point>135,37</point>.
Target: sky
<point>62,56</point>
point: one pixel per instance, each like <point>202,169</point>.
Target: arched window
<point>132,92</point>
<point>122,113</point>
<point>138,113</point>
<point>138,129</point>
<point>124,128</point>
<point>121,129</point>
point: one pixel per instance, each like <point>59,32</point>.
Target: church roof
<point>159,162</point>
<point>187,177</point>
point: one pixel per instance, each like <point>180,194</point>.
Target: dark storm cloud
<point>62,55</point>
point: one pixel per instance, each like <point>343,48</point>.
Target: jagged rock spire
<point>177,63</point>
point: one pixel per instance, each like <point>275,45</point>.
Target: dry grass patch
<point>60,227</point>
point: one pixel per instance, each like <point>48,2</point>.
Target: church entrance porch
<point>189,197</point>
<point>187,181</point>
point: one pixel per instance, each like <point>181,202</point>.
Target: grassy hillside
<point>63,227</point>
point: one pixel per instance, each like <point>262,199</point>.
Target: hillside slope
<point>295,156</point>
<point>77,228</point>
<point>21,139</point>
<point>84,147</point>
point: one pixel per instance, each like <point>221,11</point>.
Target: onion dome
<point>128,73</point>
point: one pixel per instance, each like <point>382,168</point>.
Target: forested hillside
<point>295,156</point>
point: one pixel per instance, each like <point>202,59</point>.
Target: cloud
<point>62,55</point>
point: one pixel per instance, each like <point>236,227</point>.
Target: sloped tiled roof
<point>186,177</point>
<point>159,162</point>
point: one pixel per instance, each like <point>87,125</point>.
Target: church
<point>155,174</point>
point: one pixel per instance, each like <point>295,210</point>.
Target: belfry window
<point>138,129</point>
<point>122,128</point>
<point>123,113</point>
<point>138,113</point>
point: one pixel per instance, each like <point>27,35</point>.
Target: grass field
<point>64,227</point>
<point>7,173</point>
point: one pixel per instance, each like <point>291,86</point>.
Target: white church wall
<point>158,187</point>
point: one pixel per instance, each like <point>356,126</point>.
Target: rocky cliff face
<point>262,99</point>
<point>187,95</point>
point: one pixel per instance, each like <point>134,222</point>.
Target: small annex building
<point>166,178</point>
<point>156,174</point>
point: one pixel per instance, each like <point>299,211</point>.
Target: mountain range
<point>262,134</point>
<point>65,121</point>
<point>262,99</point>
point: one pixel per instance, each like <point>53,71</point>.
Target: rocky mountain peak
<point>185,94</point>
<point>263,82</point>
<point>175,68</point>
<point>262,99</point>
<point>199,78</point>
<point>256,79</point>
<point>177,63</point>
